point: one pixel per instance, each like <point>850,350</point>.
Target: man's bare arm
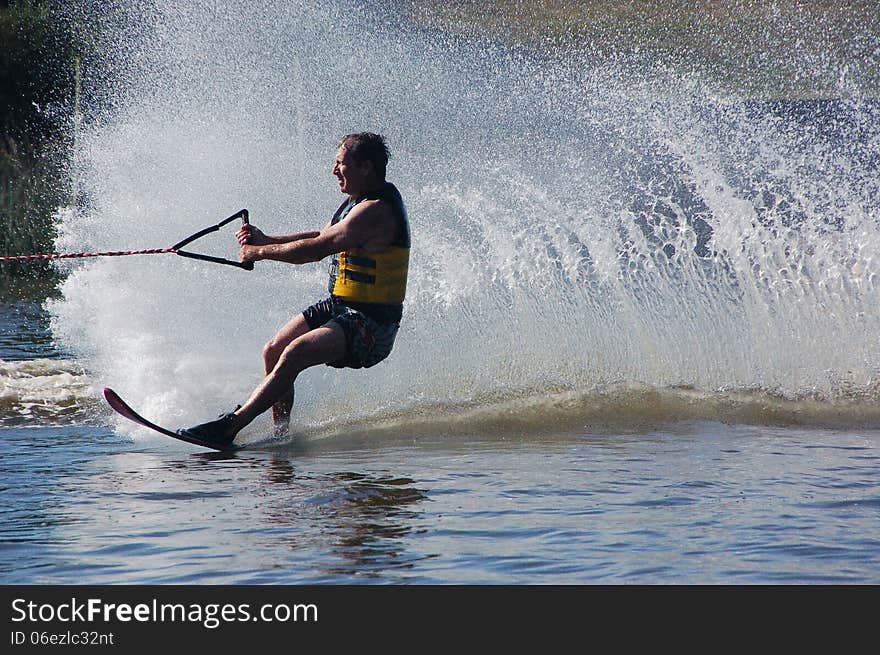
<point>249,234</point>
<point>368,223</point>
<point>299,236</point>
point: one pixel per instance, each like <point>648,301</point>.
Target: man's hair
<point>366,146</point>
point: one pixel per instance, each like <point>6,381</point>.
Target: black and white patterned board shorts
<point>368,341</point>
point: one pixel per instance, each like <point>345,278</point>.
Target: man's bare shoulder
<point>374,222</point>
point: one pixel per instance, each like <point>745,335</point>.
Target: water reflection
<point>367,516</point>
<point>252,517</point>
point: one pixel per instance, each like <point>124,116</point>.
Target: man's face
<point>350,174</point>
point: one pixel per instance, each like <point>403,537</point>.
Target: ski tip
<point>114,399</point>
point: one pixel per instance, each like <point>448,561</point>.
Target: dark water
<point>24,332</point>
<point>694,502</point>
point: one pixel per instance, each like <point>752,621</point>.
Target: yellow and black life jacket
<point>374,278</point>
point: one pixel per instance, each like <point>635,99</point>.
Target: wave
<point>46,392</point>
<point>623,408</point>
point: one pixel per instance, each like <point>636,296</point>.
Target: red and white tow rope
<point>73,255</point>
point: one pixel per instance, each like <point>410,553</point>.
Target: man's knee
<point>272,351</point>
<point>275,347</point>
<point>290,356</point>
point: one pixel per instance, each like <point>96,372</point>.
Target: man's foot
<point>220,431</point>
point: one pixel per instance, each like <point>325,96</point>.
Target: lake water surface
<point>686,503</point>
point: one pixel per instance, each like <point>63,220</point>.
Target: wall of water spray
<point>577,226</point>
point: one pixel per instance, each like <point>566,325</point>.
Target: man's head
<point>360,162</point>
<point>367,147</point>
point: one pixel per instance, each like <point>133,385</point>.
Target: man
<point>355,327</point>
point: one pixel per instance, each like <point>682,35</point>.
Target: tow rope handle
<point>243,214</point>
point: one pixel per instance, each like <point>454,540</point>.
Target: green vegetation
<point>37,87</point>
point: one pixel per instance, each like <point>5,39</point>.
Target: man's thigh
<point>319,346</point>
<point>293,329</point>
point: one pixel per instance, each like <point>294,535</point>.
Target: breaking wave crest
<point>59,392</point>
<point>45,392</point>
<point>628,409</point>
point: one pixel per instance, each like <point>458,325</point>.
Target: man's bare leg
<point>319,346</point>
<point>272,351</point>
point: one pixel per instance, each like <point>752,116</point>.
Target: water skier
<point>369,240</point>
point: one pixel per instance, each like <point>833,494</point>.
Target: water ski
<point>122,408</point>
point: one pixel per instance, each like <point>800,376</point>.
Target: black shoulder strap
<point>344,208</point>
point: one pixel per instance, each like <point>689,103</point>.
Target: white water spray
<point>575,229</point>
